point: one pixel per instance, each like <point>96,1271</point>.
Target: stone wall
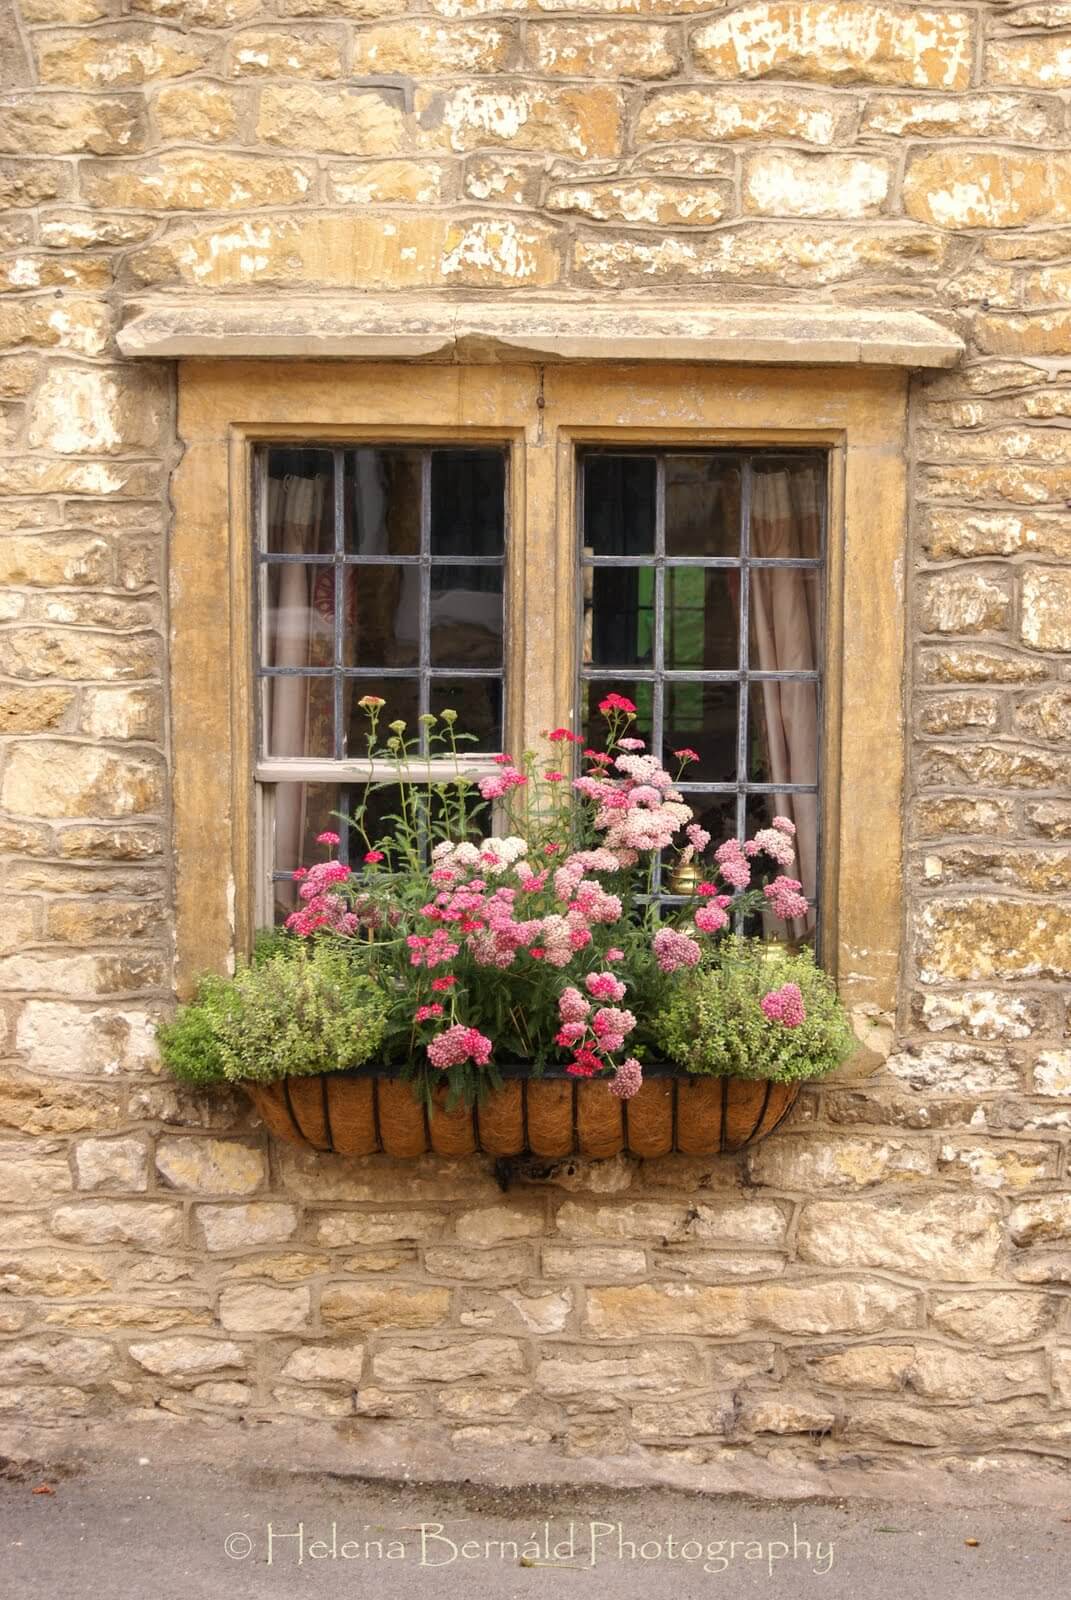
<point>887,1277</point>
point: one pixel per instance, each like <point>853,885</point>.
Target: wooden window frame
<point>544,415</point>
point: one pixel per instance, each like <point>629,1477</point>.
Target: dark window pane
<point>702,621</point>
<point>783,732</point>
<point>299,502</point>
<point>466,616</point>
<point>478,703</point>
<point>785,620</point>
<point>702,506</point>
<point>786,500</point>
<point>402,696</point>
<point>382,502</point>
<point>298,614</point>
<point>383,617</point>
<point>619,505</point>
<point>619,621</point>
<point>703,717</point>
<point>468,502</point>
<point>593,723</point>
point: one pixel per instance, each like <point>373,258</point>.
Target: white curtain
<point>785,636</point>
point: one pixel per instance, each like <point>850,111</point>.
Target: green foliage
<point>713,1022</point>
<point>298,1009</point>
<point>189,1045</point>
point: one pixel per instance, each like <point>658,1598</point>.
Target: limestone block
<point>348,122</point>
<point>981,939</point>
<point>210,1166</point>
<point>1046,1220</point>
<point>147,1225</point>
<point>327,1363</point>
<point>201,113</point>
<point>1034,63</point>
<point>447,1363</point>
<point>993,1318</point>
<point>256,1308</point>
<point>495,1224</point>
<point>239,1227</point>
<point>377,1227</point>
<point>53,779</point>
<point>932,1236</point>
<point>118,57</point>
<point>643,201</point>
<point>1052,1073</point>
<point>68,124</point>
<point>619,50</point>
<point>585,123</point>
<point>401,182</point>
<point>427,50</point>
<point>811,1163</point>
<point>1045,716</point>
<point>187,1358</point>
<point>791,184</point>
<point>591,1371</point>
<point>278,53</point>
<point>111,1164</point>
<point>807,1307</point>
<point>187,181</point>
<point>1045,622</point>
<point>725,115</point>
<point>968,602</point>
<point>357,1308</point>
<point>980,1014</point>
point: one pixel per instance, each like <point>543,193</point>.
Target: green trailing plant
<point>754,1012</point>
<point>298,1008</point>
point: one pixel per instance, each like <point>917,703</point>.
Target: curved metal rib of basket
<point>355,1114</point>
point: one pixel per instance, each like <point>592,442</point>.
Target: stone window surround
<point>544,411</point>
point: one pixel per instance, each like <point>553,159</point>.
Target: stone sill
<point>482,331</point>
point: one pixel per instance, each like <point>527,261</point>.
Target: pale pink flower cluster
<point>711,918</point>
<point>322,907</point>
<point>785,898</point>
<point>785,1005</point>
<point>773,843</point>
<point>627,1080</point>
<point>593,1037</point>
<point>458,1044</point>
<point>733,864</point>
<point>604,986</point>
<point>673,950</point>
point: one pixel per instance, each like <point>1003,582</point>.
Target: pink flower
<point>673,950</point>
<point>706,891</point>
<point>784,1005</point>
<point>372,856</point>
<point>604,986</point>
<point>572,1007</point>
<point>627,1080</point>
<point>632,744</point>
<point>711,919</point>
<point>775,844</point>
<point>611,1020</point>
<point>785,825</point>
<point>687,754</point>
<point>327,838</point>
<point>558,734</point>
<point>299,873</point>
<point>616,702</point>
<point>440,985</point>
<point>459,1044</point>
<point>698,836</point>
<point>554,777</point>
<point>736,872</point>
<point>585,1064</point>
<point>785,898</point>
<point>368,702</point>
<point>430,950</point>
<point>569,1034</point>
<point>422,1013</point>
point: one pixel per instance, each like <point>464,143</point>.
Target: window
<point>723,544</point>
<point>379,570</point>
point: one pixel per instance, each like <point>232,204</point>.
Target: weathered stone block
<point>357,1308</point>
<point>240,1227</point>
<point>644,201</point>
<point>1045,716</point>
<point>958,713</point>
<point>963,602</point>
<point>428,50</point>
<point>986,188</point>
<point>187,1358</point>
<point>968,116</point>
<point>1052,1073</point>
<point>118,57</point>
<point>34,710</point>
<point>992,766</point>
<point>326,1363</point>
<point>807,1307</point>
<point>1033,63</point>
<point>592,1261</point>
<point>980,1014</point>
<point>448,1363</point>
<point>185,181</point>
<point>1045,622</point>
<point>993,1318</point>
<point>686,1419</point>
<point>111,1164</point>
<point>602,50</point>
<point>194,112</point>
<point>210,1166</point>
<point>811,1163</point>
<point>369,183</point>
<point>147,1225</point>
<point>585,123</point>
<point>496,1224</point>
<point>786,183</point>
<point>1046,1220</point>
<point>255,1308</point>
<point>998,1166</point>
<point>275,53</point>
<point>980,939</point>
<point>863,1366</point>
<point>931,1236</point>
<point>722,115</point>
<point>67,124</point>
<point>50,778</point>
<point>78,1361</point>
<point>503,1264</point>
<point>833,43</point>
<point>348,122</point>
<point>517,1310</point>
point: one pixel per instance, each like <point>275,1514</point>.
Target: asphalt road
<point>152,1529</point>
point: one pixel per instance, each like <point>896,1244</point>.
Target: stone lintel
<point>484,331</point>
